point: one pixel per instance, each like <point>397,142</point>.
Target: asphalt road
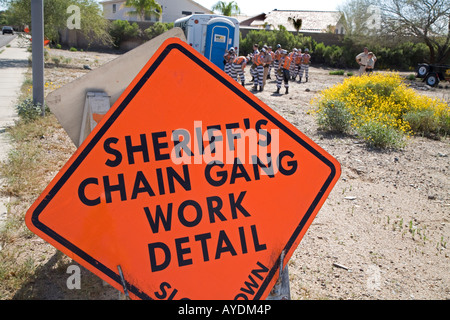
<point>5,39</point>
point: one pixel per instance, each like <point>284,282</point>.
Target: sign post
<point>190,184</point>
<point>37,46</point>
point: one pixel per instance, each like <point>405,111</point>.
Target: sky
<point>254,7</point>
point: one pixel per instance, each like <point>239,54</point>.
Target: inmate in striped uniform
<point>283,72</point>
<point>277,57</point>
<point>298,63</point>
<point>292,56</point>
<point>253,67</point>
<point>305,65</point>
<point>229,57</point>
<point>272,55</point>
<point>237,69</point>
<point>258,60</point>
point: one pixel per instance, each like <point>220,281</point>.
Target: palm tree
<point>144,8</point>
<point>227,9</point>
<point>297,23</point>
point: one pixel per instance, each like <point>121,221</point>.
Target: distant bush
<point>56,60</point>
<point>286,39</point>
<point>121,30</point>
<point>337,73</point>
<point>157,29</point>
<point>398,56</point>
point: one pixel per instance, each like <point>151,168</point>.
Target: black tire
<point>422,70</point>
<point>432,80</point>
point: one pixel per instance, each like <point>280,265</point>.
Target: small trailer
<point>211,35</point>
<point>432,74</point>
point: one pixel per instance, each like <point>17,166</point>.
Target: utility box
<point>211,35</point>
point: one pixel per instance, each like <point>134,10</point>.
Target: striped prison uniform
<point>272,54</point>
<point>276,61</point>
<point>229,58</point>
<point>305,66</point>
<point>259,62</point>
<point>298,62</point>
<point>292,56</point>
<point>253,71</point>
<point>237,69</point>
<point>283,72</point>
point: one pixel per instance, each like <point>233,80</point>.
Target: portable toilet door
<point>219,38</point>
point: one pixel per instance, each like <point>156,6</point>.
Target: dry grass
<point>29,267</point>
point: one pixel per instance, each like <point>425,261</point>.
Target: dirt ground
<point>383,233</point>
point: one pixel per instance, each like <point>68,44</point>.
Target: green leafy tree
<point>93,24</point>
<point>427,20</point>
<point>355,17</point>
<point>144,8</point>
<point>227,9</point>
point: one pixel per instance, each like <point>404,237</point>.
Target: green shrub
<point>426,122</point>
<point>337,73</point>
<point>286,39</point>
<point>334,116</point>
<point>28,111</point>
<point>56,60</point>
<point>157,29</point>
<point>121,30</point>
<point>380,135</point>
<point>73,49</point>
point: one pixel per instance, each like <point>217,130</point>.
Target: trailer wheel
<point>432,80</point>
<point>422,70</point>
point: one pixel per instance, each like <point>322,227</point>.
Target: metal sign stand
<point>37,46</point>
<point>96,104</point>
<point>281,290</point>
<point>125,290</point>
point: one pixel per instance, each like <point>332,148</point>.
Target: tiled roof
<point>312,21</point>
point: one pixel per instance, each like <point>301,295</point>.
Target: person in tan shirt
<point>362,59</point>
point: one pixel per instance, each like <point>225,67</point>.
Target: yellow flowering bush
<point>381,109</point>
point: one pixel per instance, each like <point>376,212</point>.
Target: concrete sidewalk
<point>13,65</point>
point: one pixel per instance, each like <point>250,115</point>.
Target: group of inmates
<point>286,66</point>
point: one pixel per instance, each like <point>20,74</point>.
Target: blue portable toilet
<point>220,35</point>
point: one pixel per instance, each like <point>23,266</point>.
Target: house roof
<point>312,21</point>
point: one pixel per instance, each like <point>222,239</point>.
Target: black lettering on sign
<point>220,245</point>
<point>251,286</point>
<point>214,207</point>
<point>117,188</point>
<point>163,293</point>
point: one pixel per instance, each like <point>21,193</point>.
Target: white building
<point>171,10</point>
<point>312,21</point>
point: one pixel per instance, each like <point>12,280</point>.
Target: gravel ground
<point>383,232</point>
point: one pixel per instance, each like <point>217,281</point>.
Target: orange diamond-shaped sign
<point>189,185</point>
